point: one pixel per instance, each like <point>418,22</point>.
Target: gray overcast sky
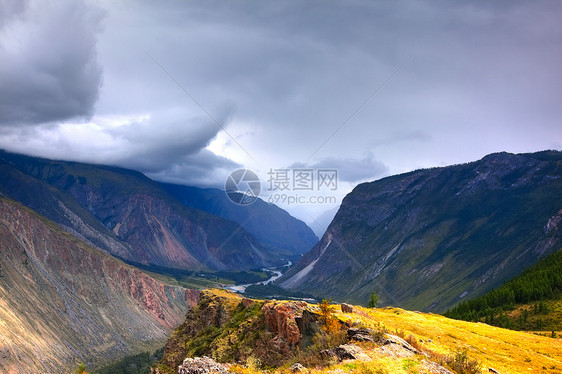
<point>85,80</point>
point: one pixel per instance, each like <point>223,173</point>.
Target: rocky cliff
<point>63,301</point>
<point>130,216</point>
<point>431,238</point>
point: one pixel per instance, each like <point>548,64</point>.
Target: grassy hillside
<point>530,301</point>
<point>239,331</point>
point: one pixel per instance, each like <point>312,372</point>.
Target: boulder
<point>346,308</point>
<point>360,335</point>
<point>297,368</point>
<point>345,352</point>
<point>202,365</point>
<point>393,339</point>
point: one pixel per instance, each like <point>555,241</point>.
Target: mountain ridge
<point>274,227</point>
<point>131,216</point>
<point>428,238</point>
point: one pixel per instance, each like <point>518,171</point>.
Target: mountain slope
<point>269,224</point>
<point>129,215</point>
<point>529,301</point>
<point>63,301</point>
<point>429,238</point>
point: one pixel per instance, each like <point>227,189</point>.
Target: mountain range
<point>137,219</point>
<point>431,238</point>
<point>71,233</point>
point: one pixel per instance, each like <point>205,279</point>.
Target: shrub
<point>330,323</point>
<point>81,369</point>
<point>462,364</point>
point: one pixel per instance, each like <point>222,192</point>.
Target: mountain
<point>270,225</point>
<point>129,215</point>
<point>321,223</point>
<point>430,238</point>
<point>63,301</point>
<point>530,301</point>
<point>247,335</point>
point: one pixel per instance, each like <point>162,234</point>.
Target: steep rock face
<point>281,318</point>
<point>130,216</point>
<point>63,301</point>
<point>429,238</point>
<point>229,328</point>
<point>271,225</point>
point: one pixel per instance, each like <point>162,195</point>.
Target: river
<point>241,288</point>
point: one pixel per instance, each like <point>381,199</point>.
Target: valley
<point>100,263</point>
<point>280,187</point>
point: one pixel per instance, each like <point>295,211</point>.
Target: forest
<point>534,287</point>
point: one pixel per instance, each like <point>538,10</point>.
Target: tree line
<point>540,282</point>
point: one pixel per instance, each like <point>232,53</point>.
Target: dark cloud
<point>204,169</point>
<point>48,61</point>
<point>481,77</point>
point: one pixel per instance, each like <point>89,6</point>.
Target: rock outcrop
<point>251,334</point>
<point>346,352</point>
<point>361,335</point>
<point>393,339</point>
<point>281,319</point>
<point>202,365</point>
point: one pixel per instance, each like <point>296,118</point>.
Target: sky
<point>189,91</point>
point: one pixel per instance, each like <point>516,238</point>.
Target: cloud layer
<point>48,61</point>
<point>135,84</point>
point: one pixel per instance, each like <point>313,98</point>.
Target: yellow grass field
<point>506,351</point>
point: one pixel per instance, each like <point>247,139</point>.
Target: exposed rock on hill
<point>201,365</point>
<point>430,238</point>
<point>63,301</point>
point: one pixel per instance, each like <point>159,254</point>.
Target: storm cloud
<point>48,61</point>
<point>188,91</point>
